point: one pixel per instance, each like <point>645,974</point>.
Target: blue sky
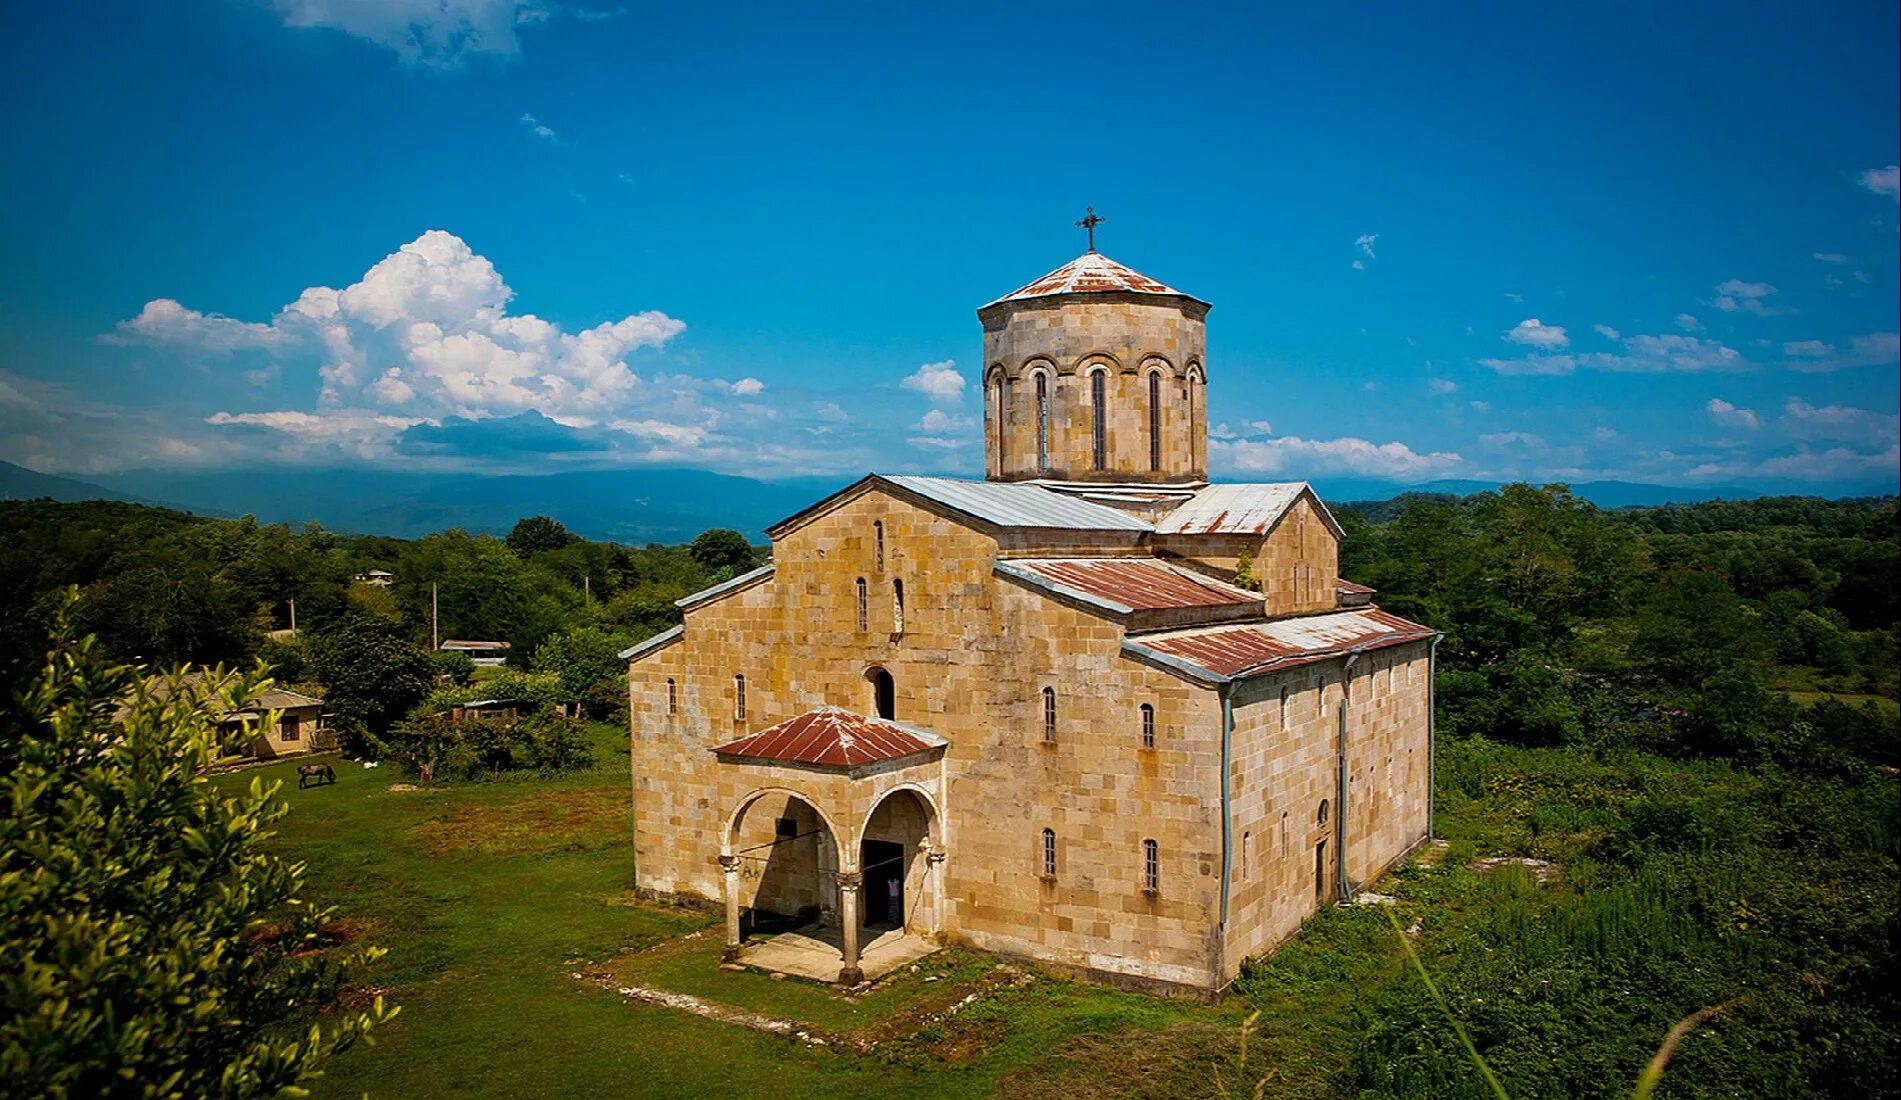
<point>1649,242</point>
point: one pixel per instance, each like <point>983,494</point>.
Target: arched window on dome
<point>1042,422</point>
<point>1098,417</point>
<point>1155,421</point>
<point>999,403</point>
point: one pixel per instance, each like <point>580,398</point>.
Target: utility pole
<point>435,634</point>
<point>587,590</point>
<point>293,614</point>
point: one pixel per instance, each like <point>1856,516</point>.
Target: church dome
<point>1091,273</point>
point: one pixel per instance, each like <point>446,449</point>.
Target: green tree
<point>152,944</point>
<point>720,548</point>
<point>371,673</point>
<point>534,534</point>
<point>582,658</point>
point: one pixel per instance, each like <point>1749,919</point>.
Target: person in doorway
<point>894,908</point>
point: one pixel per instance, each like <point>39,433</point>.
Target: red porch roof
<point>833,737</point>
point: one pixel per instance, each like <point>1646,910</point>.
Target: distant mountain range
<point>629,506</point>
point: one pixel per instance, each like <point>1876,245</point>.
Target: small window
<point>289,728</point>
<point>673,696</point>
<point>1322,816</point>
<point>739,698</point>
<point>1151,866</point>
<point>897,607</point>
<point>1148,726</point>
<point>1283,708</point>
<point>785,828</point>
<point>1049,853</point>
<point>861,603</point>
<point>1284,840</point>
<point>1049,714</point>
<point>877,545</point>
<point>1247,846</point>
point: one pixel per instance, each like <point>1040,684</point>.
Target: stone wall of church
<point>1284,767</point>
<point>1067,339</point>
<point>970,664</point>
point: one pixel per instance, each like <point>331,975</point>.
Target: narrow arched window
<point>862,599</point>
<point>1148,726</point>
<point>1042,423</point>
<point>877,545</point>
<point>1000,396</point>
<point>1284,836</point>
<point>1322,815</point>
<point>1283,708</point>
<point>1098,386</point>
<point>1151,866</point>
<point>1247,854</point>
<point>1049,853</point>
<point>897,607</point>
<point>739,698</point>
<point>673,696</point>
<point>884,694</point>
<point>1155,420</point>
<point>1049,714</point>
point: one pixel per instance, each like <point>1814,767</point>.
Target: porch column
<point>848,883</point>
<point>730,865</point>
<point>934,875</point>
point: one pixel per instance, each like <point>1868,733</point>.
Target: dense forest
<point>1690,711</point>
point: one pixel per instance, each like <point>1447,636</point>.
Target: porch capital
<point>729,864</point>
<point>850,880</point>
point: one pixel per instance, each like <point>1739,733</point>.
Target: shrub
<point>153,944</point>
<point>439,747</point>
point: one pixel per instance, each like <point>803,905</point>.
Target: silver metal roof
<point>1015,504</point>
<point>1243,509</point>
<point>641,649</point>
<point>718,590</point>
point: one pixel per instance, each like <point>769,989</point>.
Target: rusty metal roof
<point>1249,508</point>
<point>833,737</point>
<point>1233,652</point>
<point>1130,584</point>
<point>1341,584</point>
<point>1090,273</point>
<point>1019,504</point>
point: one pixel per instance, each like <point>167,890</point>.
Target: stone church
<point>1090,710</point>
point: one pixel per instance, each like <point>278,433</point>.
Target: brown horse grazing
<point>322,773</point>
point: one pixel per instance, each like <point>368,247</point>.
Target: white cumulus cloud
<point>1873,349</point>
<point>1535,333</point>
<point>1294,455</point>
<point>746,387</point>
<point>1736,296</point>
<point>940,382</point>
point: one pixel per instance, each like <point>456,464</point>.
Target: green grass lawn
<point>489,896</point>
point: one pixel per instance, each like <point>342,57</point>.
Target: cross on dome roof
<point>1092,273</point>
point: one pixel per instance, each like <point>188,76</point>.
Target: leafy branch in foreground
<point>150,944</point>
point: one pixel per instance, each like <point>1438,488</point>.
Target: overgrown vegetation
<point>152,942</point>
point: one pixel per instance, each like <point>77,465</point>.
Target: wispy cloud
<point>1737,296</point>
<point>1348,455</point>
<point>1638,355</point>
<point>540,129</point>
<point>1364,242</point>
<point>1882,181</point>
<point>1729,416</point>
<point>435,34</point>
<point>1874,349</point>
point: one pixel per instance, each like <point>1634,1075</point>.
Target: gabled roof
<point>1016,504</point>
<point>664,638</point>
<point>1091,273</point>
<point>1247,508</point>
<point>833,737</point>
<point>707,595</point>
<point>1128,584</point>
<point>1222,653</point>
<point>998,503</point>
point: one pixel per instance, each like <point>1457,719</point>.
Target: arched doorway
<point>786,860</point>
<point>898,857</point>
